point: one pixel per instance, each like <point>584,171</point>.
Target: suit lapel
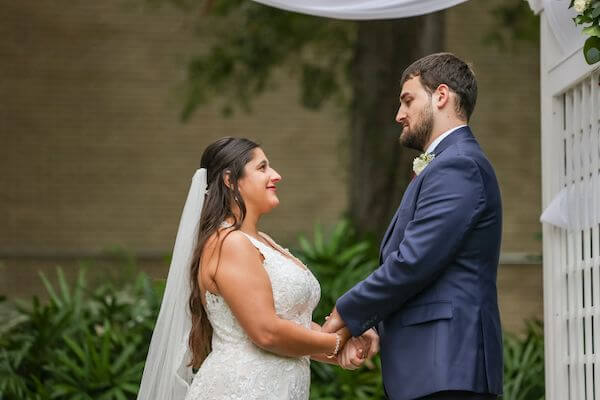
<point>389,230</point>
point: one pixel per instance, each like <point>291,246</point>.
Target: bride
<point>237,308</point>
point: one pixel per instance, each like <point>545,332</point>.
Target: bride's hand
<point>345,335</point>
<point>353,355</point>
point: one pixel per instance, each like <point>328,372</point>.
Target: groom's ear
<point>441,96</point>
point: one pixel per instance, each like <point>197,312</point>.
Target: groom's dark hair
<point>446,68</point>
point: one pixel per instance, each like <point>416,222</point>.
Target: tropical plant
<point>96,365</point>
<point>90,343</point>
<point>339,260</point>
<point>524,364</point>
<point>82,343</point>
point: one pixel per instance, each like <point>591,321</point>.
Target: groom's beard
<point>417,137</point>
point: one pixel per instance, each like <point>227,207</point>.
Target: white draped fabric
<point>362,9</point>
<point>167,375</point>
<point>560,19</point>
<point>575,207</point>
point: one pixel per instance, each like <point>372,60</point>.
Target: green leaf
<point>591,50</point>
<point>50,289</point>
<point>76,349</point>
<point>64,286</point>
<point>582,19</point>
<point>595,11</point>
<point>306,247</point>
<point>593,30</point>
<point>318,240</point>
<point>60,390</point>
<point>123,357</point>
<point>131,388</point>
<point>119,395</point>
<point>354,251</point>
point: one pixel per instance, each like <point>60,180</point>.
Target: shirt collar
<point>437,141</point>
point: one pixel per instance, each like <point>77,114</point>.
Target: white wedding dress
<point>237,369</point>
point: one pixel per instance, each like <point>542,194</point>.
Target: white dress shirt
<point>437,141</point>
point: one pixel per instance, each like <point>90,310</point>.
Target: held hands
<point>356,350</point>
<point>352,356</point>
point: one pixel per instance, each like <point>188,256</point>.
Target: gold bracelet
<point>338,341</point>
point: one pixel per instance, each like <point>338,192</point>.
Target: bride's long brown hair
<point>227,156</point>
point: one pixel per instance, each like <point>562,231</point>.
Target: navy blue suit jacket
<point>434,299</point>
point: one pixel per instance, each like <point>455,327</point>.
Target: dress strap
<point>260,246</point>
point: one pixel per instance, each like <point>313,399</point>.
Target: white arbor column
<point>570,107</point>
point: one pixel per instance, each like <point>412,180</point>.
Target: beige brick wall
<point>92,152</point>
<point>507,118</point>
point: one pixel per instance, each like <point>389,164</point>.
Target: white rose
<point>419,163</point>
<point>581,5</point>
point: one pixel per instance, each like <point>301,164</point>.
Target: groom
<point>433,299</point>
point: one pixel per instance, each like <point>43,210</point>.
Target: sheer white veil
<point>166,374</point>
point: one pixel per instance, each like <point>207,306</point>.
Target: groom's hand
<point>334,322</point>
<point>373,339</point>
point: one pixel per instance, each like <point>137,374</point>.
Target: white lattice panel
<point>572,257</point>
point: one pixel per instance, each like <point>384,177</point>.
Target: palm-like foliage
<point>90,343</point>
<point>339,260</point>
<point>524,364</point>
<point>98,365</point>
<point>82,344</point>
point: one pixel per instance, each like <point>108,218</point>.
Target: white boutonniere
<point>419,163</point>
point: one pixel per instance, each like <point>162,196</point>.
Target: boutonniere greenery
<point>589,17</point>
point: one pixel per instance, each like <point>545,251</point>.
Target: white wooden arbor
<point>570,107</point>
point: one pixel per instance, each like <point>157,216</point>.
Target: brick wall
<point>92,152</point>
<point>506,119</point>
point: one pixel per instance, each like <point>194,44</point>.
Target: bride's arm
<point>352,356</point>
<point>244,284</point>
<point>322,357</point>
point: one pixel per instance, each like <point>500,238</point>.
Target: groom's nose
<point>400,115</point>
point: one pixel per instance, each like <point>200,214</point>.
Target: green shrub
<point>81,344</point>
<point>339,260</point>
<point>91,343</point>
<point>524,364</point>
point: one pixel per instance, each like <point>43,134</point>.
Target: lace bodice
<point>238,369</point>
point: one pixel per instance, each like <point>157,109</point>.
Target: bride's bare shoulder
<point>230,243</point>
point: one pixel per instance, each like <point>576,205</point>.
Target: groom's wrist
<point>355,321</point>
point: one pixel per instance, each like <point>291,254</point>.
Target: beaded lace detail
<point>237,369</point>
